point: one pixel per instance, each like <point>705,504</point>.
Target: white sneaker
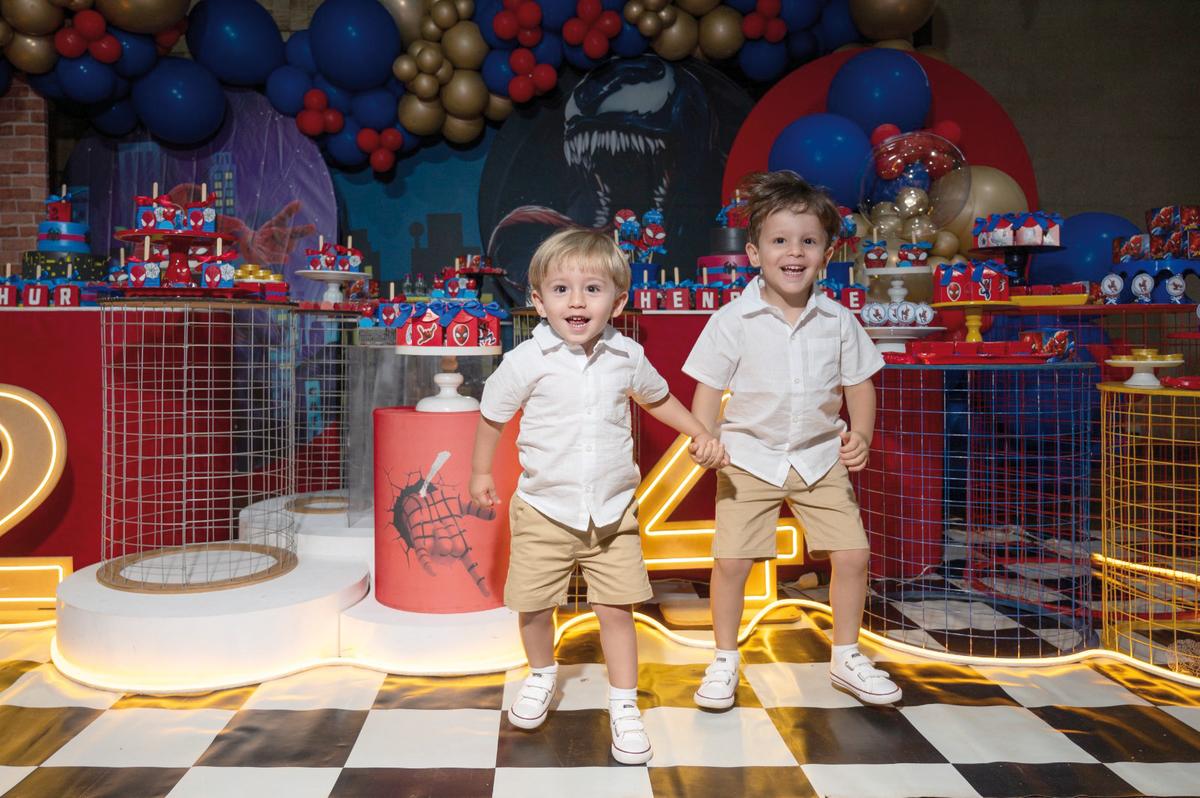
<point>630,744</point>
<point>718,686</point>
<point>859,677</point>
<point>532,704</point>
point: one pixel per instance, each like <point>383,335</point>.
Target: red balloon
<point>776,30</point>
<point>332,120</point>
<point>949,130</point>
<point>165,39</point>
<point>595,44</point>
<point>889,167</point>
<point>544,78</point>
<point>529,37</point>
<point>311,122</point>
<point>315,100</point>
<point>522,61</point>
<point>609,24</point>
<point>769,8</point>
<point>512,5</point>
<point>69,43</point>
<point>521,89</point>
<point>574,29</point>
<point>939,164</point>
<point>89,23</point>
<point>754,25</point>
<point>391,138</point>
<point>883,133</point>
<point>106,49</point>
<point>383,159</point>
<point>505,24</point>
<point>589,10</point>
<point>529,14</point>
<point>368,140</point>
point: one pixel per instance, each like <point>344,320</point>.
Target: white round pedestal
<point>342,535</point>
<point>1143,371</point>
<point>197,642</point>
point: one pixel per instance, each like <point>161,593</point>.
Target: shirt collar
<point>549,340</point>
<point>817,300</point>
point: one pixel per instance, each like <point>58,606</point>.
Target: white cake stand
<point>333,282</point>
<point>897,291</point>
<point>448,399</point>
<point>891,339</point>
<point>1143,371</point>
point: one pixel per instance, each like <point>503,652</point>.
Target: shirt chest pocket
<point>822,364</point>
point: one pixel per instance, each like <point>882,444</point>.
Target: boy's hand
<point>708,452</point>
<point>854,451</point>
<point>483,490</point>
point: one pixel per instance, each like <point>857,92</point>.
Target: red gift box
<point>645,299</point>
<point>1160,221</point>
<point>463,330</point>
<point>66,296</point>
<point>950,283</point>
<point>489,330</point>
<point>1189,217</point>
<point>677,299</point>
<point>1039,290</point>
<point>425,331</point>
<point>1030,233</point>
<point>988,285</point>
<point>854,297</point>
<point>1018,290</point>
<point>58,209</point>
<point>1192,244</point>
<point>730,294</point>
<point>708,298</point>
<point>1135,247</point>
<point>35,295</point>
<point>8,296</point>
<point>1081,287</point>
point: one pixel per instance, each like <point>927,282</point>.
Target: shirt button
<point>588,448</point>
<point>795,380</point>
<point>795,419</point>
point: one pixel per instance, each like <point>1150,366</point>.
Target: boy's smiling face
<point>578,303</point>
<point>791,250</point>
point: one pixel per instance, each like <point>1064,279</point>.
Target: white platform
<point>142,642</point>
<point>327,535</point>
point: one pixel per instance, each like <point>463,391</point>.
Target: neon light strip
<point>36,494</point>
<point>1154,570</point>
<point>7,454</point>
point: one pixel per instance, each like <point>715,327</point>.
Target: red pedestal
<point>435,552</point>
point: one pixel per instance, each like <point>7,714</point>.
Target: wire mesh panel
<point>1151,524</point>
<point>323,343</point>
<point>975,504</point>
<point>198,405</point>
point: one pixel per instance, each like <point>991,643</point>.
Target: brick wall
<point>23,170</point>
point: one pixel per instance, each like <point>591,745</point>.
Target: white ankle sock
<point>550,671</point>
<point>840,653</point>
<point>621,695</point>
<point>731,657</point>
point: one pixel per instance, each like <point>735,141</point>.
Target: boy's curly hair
<point>769,192</point>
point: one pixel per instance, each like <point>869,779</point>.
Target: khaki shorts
<point>544,553</point>
<point>748,511</point>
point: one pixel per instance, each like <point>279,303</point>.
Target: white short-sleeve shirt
<point>786,381</point>
<point>575,444</point>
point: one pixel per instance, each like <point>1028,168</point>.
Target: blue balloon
<point>577,58</point>
<point>836,26</point>
<point>485,13</point>
<point>337,98</point>
<point>744,6</point>
<point>880,85</point>
<point>801,14</point>
<point>375,109</point>
<point>236,39</point>
<point>116,119</point>
<point>47,85</point>
<point>915,174</point>
<point>826,150</point>
<point>411,140</point>
<point>121,89</point>
<point>343,146</point>
<point>179,101</point>
<point>299,53</point>
<point>286,87</point>
<point>1087,249</point>
<point>497,72</point>
<point>84,79</point>
<point>629,42</point>
<point>139,53</point>
<point>549,50</point>
<point>394,87</point>
<point>555,13</point>
<point>762,60</point>
<point>354,43</point>
<point>803,46</point>
<point>5,76</point>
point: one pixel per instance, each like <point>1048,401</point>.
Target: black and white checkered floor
<point>1097,729</point>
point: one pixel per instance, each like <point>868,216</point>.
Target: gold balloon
<point>895,44</point>
<point>649,25</point>
<point>697,8</point>
<point>498,108</point>
<point>143,16</point>
<point>421,117</point>
<point>6,33</point>
<point>32,55</point>
<point>417,46</point>
<point>425,86</point>
<point>466,95</point>
<point>655,5</point>
<point>845,48</point>
<point>444,14</point>
<point>430,59</point>
<point>405,68</point>
<point>32,17</point>
<point>887,228</point>
<point>933,261</point>
<point>678,40</point>
<point>465,8</point>
<point>444,73</point>
<point>461,131</point>
<point>667,15</point>
<point>721,33</point>
<point>464,45</point>
<point>430,30</point>
<point>918,228</point>
<point>407,15</point>
<point>992,191</point>
<point>890,19</point>
<point>945,244</point>
<point>883,210</point>
<point>959,259</point>
<point>633,11</point>
<point>911,201</point>
<point>933,52</point>
<point>79,5</point>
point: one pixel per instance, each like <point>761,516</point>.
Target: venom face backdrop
<point>639,133</point>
